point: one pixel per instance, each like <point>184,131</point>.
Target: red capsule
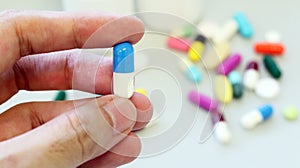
<point>269,48</point>
<point>180,44</point>
<point>252,65</point>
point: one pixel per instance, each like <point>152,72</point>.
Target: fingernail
<point>122,114</point>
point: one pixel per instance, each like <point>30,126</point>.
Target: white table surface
<point>272,144</point>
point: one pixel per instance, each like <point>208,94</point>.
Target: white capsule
<point>209,29</point>
<point>227,32</point>
<point>222,132</point>
<point>250,79</point>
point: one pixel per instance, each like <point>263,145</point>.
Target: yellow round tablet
<point>223,89</point>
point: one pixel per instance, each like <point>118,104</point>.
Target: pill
<point>141,91</point>
<point>61,95</point>
<point>267,88</point>
<point>229,64</point>
<point>226,33</point>
<point>236,82</point>
<point>223,89</point>
<point>203,101</point>
<point>273,36</point>
<point>190,70</point>
<point>221,129</point>
<point>123,70</point>
<point>257,116</point>
<point>197,47</point>
<point>179,44</point>
<point>272,67</point>
<point>269,48</point>
<point>185,31</point>
<point>244,26</point>
<point>216,55</point>
<point>208,28</point>
<point>251,75</point>
<point>290,113</point>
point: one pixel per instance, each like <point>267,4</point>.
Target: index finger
<point>31,32</point>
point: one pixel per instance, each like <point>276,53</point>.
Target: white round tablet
<point>273,36</point>
<point>267,88</point>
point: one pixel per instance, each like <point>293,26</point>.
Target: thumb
<point>74,137</point>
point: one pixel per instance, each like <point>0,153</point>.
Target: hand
<point>52,134</point>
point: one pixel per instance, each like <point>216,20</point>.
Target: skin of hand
<point>38,52</point>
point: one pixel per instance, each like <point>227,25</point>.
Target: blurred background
<point>272,144</point>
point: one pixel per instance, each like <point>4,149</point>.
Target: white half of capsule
<point>123,84</point>
<point>251,119</point>
<point>227,32</point>
<point>250,78</point>
<point>222,132</point>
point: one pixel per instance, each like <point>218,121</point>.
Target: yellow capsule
<point>216,55</point>
<point>196,49</point>
<point>141,91</point>
<point>223,89</point>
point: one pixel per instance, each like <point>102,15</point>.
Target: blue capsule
<point>123,58</point>
<point>245,28</point>
<point>193,74</point>
<point>255,117</point>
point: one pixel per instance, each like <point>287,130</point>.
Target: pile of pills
<point>230,84</point>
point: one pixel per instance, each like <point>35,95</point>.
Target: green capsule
<point>61,95</point>
<point>272,67</point>
<point>237,90</point>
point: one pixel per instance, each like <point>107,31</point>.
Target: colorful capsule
<point>221,129</point>
<point>61,95</point>
<point>251,75</point>
<point>272,67</point>
<point>226,33</point>
<point>244,26</point>
<point>216,55</point>
<point>269,48</point>
<point>197,47</point>
<point>229,64</point>
<point>236,82</point>
<point>223,89</point>
<point>190,70</point>
<point>179,44</point>
<point>123,70</point>
<point>257,116</point>
<point>185,31</point>
<point>203,101</point>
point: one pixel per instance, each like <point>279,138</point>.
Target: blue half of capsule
<point>245,28</point>
<point>123,58</point>
<point>266,111</point>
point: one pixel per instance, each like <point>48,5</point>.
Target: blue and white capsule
<point>255,117</point>
<point>123,70</point>
<point>244,26</point>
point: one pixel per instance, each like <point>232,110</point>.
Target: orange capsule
<point>269,48</point>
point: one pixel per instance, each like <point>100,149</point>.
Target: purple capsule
<point>203,101</point>
<point>229,64</point>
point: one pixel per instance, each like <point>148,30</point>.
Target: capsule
<point>269,48</point>
<point>223,89</point>
<point>197,47</point>
<point>203,101</point>
<point>123,70</point>
<point>207,28</point>
<point>251,75</point>
<point>221,129</point>
<point>227,32</point>
<point>179,44</point>
<point>272,67</point>
<point>229,64</point>
<point>185,31</point>
<point>255,117</point>
<point>236,82</point>
<point>190,70</point>
<point>61,95</point>
<point>244,26</point>
<point>215,56</point>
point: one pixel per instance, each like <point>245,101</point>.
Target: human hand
<point>52,134</point>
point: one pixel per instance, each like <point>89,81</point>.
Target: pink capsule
<point>180,44</point>
<point>203,101</point>
<point>229,64</point>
